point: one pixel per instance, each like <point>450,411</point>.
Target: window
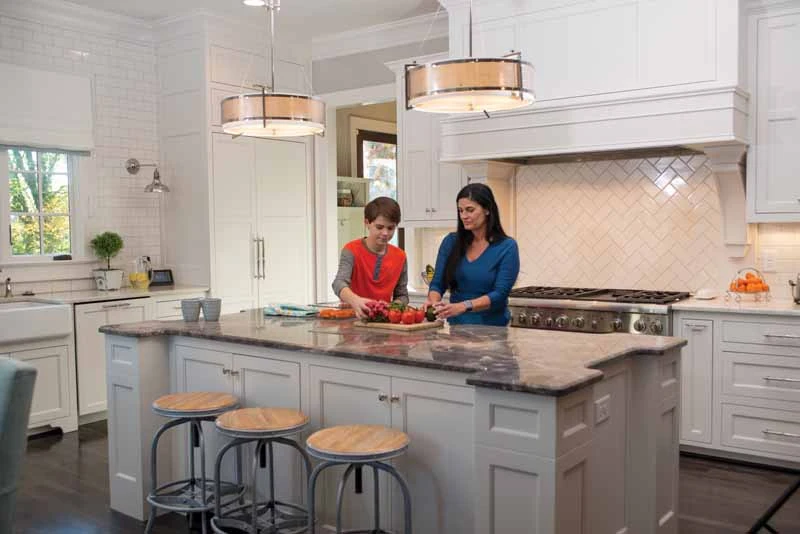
<point>377,161</point>
<point>39,202</point>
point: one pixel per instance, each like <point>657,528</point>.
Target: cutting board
<point>425,325</point>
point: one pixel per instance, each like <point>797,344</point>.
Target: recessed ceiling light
<point>254,3</point>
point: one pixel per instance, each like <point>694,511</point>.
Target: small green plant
<point>105,246</point>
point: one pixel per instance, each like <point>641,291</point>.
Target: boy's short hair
<point>382,206</point>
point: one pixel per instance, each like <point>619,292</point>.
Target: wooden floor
<point>65,491</point>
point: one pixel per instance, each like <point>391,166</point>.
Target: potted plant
<point>105,246</point>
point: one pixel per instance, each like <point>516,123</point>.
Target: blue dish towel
<point>290,310</point>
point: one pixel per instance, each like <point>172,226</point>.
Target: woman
<point>479,264</point>
<point>371,268</point>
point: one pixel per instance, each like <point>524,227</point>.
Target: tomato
<point>395,316</point>
<point>409,317</point>
<point>419,316</point>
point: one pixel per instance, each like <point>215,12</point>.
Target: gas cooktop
<point>632,296</point>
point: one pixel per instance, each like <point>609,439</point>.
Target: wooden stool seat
<point>262,420</point>
<point>195,403</point>
<point>357,442</point>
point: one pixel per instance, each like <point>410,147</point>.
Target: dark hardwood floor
<point>65,491</point>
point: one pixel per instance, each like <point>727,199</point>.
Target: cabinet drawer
<point>761,376</point>
<point>761,429</point>
<point>781,334</point>
<point>168,308</point>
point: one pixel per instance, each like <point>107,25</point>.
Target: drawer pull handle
<point>784,434</point>
<point>779,379</point>
<point>782,336</point>
<point>122,305</point>
<point>382,396</point>
<point>697,327</point>
<point>395,399</point>
<point>226,371</point>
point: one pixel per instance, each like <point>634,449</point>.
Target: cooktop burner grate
<point>543,292</point>
<point>632,296</point>
<point>648,297</point>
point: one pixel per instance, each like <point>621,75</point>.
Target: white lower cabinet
<point>741,384</point>
<point>51,391</point>
<point>90,347</point>
<point>696,376</point>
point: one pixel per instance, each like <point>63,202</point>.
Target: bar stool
<point>264,427</point>
<point>192,494</point>
<point>357,446</point>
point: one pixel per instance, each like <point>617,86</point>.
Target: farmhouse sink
<point>28,320</point>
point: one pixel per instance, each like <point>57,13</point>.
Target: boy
<point>371,268</point>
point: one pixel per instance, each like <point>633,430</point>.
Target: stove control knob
<point>562,321</point>
<point>548,322</point>
<point>578,322</point>
<point>536,318</point>
<point>640,325</point>
<point>656,327</point>
<point>616,324</point>
<point>522,318</point>
<point>595,324</point>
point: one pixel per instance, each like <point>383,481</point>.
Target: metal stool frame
<point>353,464</point>
<point>280,519</point>
<point>174,496</point>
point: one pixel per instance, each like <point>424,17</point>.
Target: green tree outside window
<point>39,201</point>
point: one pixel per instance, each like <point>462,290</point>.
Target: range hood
<point>713,122</point>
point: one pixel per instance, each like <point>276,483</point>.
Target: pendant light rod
<point>470,28</point>
<point>273,5</point>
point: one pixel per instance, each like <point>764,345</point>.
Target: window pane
<point>380,165</point>
<point>24,235</point>
<point>55,193</point>
<point>52,162</point>
<point>23,192</point>
<point>21,160</point>
<point>56,235</point>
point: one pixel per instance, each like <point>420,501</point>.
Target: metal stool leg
<point>377,504</point>
<point>154,466</point>
<point>312,485</point>
<point>340,496</point>
<point>203,483</point>
<point>403,486</point>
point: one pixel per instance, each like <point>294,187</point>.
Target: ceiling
<point>318,17</point>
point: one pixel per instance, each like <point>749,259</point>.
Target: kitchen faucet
<point>8,288</point>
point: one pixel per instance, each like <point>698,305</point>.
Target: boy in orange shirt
<point>371,268</point>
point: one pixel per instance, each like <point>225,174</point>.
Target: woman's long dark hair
<point>483,196</point>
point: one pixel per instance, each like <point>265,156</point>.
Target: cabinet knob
<point>395,399</point>
<point>433,210</point>
<point>427,210</point>
<point>234,373</point>
<point>382,397</point>
<point>226,371</point>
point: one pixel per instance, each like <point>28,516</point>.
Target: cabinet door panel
<point>234,218</point>
<point>287,262</point>
<point>51,391</point>
<point>416,177</point>
<point>447,187</point>
<point>441,419</point>
<point>778,115</point>
<point>696,369</point>
<point>91,348</point>
<point>344,398</point>
<point>263,382</point>
<point>202,370</point>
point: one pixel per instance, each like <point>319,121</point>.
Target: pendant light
<point>268,113</point>
<point>470,85</point>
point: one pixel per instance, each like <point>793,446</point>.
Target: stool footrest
<point>186,495</point>
<point>240,518</point>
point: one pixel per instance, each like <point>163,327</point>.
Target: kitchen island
<point>512,430</point>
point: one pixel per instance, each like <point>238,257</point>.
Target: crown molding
<point>63,14</point>
<point>762,6</point>
<point>390,34</point>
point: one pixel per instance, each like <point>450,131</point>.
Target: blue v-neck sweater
<point>492,273</point>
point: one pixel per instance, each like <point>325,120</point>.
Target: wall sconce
<point>156,186</point>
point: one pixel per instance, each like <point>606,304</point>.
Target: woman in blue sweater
<point>479,264</point>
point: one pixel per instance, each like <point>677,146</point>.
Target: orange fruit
<point>749,276</point>
<point>764,287</point>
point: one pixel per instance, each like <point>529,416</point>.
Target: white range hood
<point>614,76</point>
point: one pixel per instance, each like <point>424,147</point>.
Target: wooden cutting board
<point>424,325</point>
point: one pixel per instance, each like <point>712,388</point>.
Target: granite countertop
<point>92,295</point>
<point>747,305</point>
<point>514,359</point>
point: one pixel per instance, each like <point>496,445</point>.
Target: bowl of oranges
<point>748,283</point>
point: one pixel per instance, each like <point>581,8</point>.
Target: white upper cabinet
<point>773,166</point>
<point>245,69</point>
<point>593,48</point>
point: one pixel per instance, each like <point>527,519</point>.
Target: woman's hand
<point>445,310</point>
<point>432,299</point>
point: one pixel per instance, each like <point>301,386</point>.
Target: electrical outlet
<point>768,260</point>
<point>602,409</point>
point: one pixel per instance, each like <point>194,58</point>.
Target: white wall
<point>123,73</point>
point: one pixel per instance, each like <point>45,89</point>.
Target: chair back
<point>16,394</point>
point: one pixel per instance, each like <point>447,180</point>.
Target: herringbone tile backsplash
<point>636,223</point>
